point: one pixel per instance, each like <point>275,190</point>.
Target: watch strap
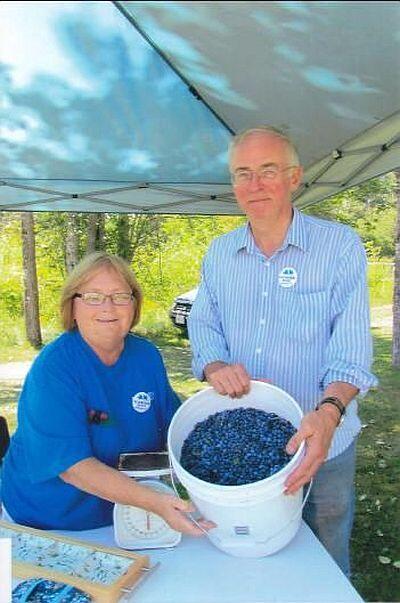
<point>335,402</point>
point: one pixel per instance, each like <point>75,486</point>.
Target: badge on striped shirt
<point>287,277</point>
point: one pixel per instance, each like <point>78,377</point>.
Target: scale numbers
<point>143,524</point>
<point>136,528</point>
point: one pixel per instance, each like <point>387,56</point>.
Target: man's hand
<point>228,379</point>
<point>317,429</point>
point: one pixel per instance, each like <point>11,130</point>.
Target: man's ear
<point>296,178</point>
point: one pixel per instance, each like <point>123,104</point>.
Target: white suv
<point>181,308</point>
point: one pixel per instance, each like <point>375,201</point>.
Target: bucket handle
<point>215,537</point>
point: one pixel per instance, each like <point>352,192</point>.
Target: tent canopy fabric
<point>130,106</point>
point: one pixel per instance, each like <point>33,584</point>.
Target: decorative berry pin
<point>97,416</point>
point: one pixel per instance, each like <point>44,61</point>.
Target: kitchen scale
<point>136,528</point>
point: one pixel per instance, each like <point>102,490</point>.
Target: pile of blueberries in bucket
<point>237,446</point>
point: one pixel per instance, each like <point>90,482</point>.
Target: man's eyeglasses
<point>264,174</point>
<point>96,299</point>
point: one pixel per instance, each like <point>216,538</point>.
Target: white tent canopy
<point>129,106</point>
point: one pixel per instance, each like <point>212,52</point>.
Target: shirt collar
<point>297,235</point>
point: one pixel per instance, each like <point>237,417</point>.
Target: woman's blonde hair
<point>86,268</point>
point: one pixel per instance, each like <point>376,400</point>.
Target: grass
<point>375,541</point>
<point>376,535</point>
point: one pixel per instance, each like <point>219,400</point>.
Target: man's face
<point>264,176</point>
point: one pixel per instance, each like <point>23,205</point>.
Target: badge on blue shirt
<point>287,277</point>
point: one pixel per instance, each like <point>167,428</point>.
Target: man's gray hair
<point>265,129</point>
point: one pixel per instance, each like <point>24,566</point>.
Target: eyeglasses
<point>96,299</point>
<point>263,174</point>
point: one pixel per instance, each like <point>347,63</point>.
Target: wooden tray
<point>105,573</point>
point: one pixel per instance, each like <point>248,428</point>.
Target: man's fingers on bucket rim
<point>299,473</point>
<point>219,387</point>
<point>229,385</point>
<point>243,377</point>
<point>297,480</point>
<point>294,442</point>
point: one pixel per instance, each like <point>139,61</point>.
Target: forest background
<point>166,254</point>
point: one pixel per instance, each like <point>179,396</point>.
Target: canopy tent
<point>129,106</point>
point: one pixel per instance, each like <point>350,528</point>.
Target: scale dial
<point>136,528</point>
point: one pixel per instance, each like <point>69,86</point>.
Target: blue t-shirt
<point>66,382</point>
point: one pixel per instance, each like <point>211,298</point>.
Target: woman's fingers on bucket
<point>206,524</point>
<point>175,515</point>
<point>182,505</point>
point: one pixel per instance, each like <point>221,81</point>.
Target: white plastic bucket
<point>253,520</point>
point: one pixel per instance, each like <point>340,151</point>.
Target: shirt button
<point>266,263</point>
<point>262,321</point>
<point>265,293</point>
<point>258,351</point>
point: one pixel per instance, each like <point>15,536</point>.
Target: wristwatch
<point>335,402</point>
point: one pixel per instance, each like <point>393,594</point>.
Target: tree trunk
<point>124,245</point>
<point>396,288</point>
<point>95,235</point>
<point>31,293</point>
<point>71,243</point>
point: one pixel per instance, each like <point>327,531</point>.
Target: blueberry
<point>238,446</point>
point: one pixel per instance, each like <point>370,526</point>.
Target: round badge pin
<point>287,277</point>
<point>141,401</point>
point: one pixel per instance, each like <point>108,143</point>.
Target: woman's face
<point>104,327</point>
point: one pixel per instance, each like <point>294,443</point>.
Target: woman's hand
<point>173,509</point>
<point>93,476</point>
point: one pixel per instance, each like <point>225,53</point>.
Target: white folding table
<point>197,572</point>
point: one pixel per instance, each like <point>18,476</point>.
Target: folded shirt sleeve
<point>349,353</point>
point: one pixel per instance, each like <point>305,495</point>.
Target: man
<point>285,299</point>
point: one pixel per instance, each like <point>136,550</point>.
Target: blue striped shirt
<point>299,318</point>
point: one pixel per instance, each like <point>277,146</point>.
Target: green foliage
<point>380,282</point>
<point>376,536</point>
<point>11,297</point>
<point>166,252</point>
<point>172,265</point>
<point>370,209</point>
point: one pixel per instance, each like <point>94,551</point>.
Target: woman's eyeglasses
<point>96,299</point>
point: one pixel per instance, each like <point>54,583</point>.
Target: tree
<point>396,289</point>
<point>71,243</point>
<point>124,243</point>
<point>31,292</point>
<point>369,208</point>
<point>95,232</point>
<point>127,234</point>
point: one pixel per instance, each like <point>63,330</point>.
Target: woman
<point>94,392</point>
